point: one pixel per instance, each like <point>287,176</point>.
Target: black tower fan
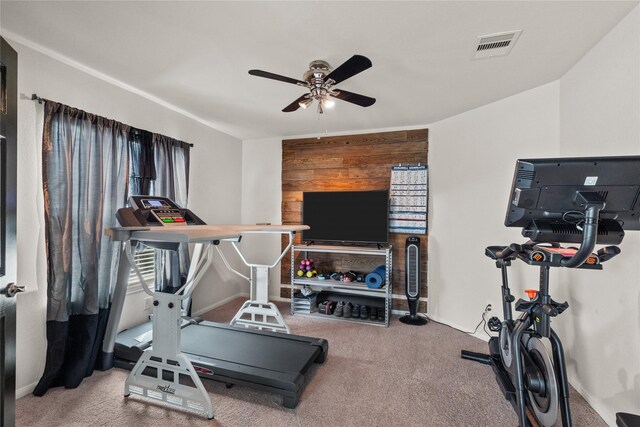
<point>412,285</point>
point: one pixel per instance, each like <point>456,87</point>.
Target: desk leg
<point>258,312</point>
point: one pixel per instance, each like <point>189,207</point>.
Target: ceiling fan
<point>320,79</point>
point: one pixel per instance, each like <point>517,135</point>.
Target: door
<point>8,265</point>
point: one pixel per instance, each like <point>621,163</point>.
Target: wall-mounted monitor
<point>548,190</point>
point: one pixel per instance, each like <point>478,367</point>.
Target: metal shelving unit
<point>350,288</point>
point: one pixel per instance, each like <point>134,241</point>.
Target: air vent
<point>571,229</point>
<point>526,175</point>
<point>499,44</point>
<point>565,229</point>
<point>603,194</point>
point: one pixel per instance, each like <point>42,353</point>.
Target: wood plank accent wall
<point>353,162</point>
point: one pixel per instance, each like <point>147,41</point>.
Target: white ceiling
<point>195,55</point>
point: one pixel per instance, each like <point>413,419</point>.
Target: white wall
<point>215,196</point>
<point>261,202</point>
<point>471,163</point>
<point>600,116</point>
<point>214,192</point>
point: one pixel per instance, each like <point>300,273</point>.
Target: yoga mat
<point>375,279</point>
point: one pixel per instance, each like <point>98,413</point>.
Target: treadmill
<point>269,361</point>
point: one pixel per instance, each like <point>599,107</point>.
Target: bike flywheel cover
<point>545,407</point>
<point>506,353</point>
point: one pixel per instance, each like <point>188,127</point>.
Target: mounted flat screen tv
<point>346,216</point>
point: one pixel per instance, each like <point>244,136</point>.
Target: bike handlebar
<point>509,251</point>
<point>589,237</point>
<point>593,204</point>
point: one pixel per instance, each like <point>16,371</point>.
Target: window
<point>145,260</point>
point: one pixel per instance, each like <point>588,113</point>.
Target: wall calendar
<point>408,200</point>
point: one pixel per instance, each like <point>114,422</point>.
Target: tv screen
<point>546,189</point>
<point>346,216</point>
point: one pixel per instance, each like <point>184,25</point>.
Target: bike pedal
<point>494,324</point>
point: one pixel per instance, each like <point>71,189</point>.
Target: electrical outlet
<point>147,303</point>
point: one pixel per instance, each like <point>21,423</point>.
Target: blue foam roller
<point>375,279</point>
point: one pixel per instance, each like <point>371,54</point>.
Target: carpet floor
<point>373,376</point>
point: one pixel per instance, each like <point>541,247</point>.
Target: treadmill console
<point>147,211</point>
<point>163,210</point>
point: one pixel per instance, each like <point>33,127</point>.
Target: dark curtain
<point>143,170</point>
<point>172,160</point>
<point>85,176</point>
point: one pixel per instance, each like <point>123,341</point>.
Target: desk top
<point>265,228</point>
<point>195,233</point>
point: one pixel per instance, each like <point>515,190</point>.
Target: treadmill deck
<point>268,361</point>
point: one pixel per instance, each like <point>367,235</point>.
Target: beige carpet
<point>374,376</point>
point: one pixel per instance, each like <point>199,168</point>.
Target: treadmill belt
<point>234,345</point>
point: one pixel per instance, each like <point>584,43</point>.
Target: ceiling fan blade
<point>352,66</point>
<point>354,98</point>
<point>295,104</point>
<point>268,75</point>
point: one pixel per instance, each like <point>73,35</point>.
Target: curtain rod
<point>36,98</point>
<point>39,100</point>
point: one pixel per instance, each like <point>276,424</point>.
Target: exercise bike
<point>533,382</point>
<point>569,212</point>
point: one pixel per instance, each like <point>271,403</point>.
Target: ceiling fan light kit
<point>320,79</point>
<point>306,102</point>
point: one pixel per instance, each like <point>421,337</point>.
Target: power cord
<point>574,217</point>
<point>483,320</point>
<point>423,316</point>
<point>485,325</point>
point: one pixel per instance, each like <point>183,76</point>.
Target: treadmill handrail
<point>192,280</point>
<point>226,263</point>
<point>247,263</point>
<point>290,233</point>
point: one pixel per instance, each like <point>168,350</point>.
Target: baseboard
<point>221,302</point>
<point>405,312</point>
<point>480,334</point>
<point>403,296</point>
<point>23,391</point>
<point>608,416</point>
